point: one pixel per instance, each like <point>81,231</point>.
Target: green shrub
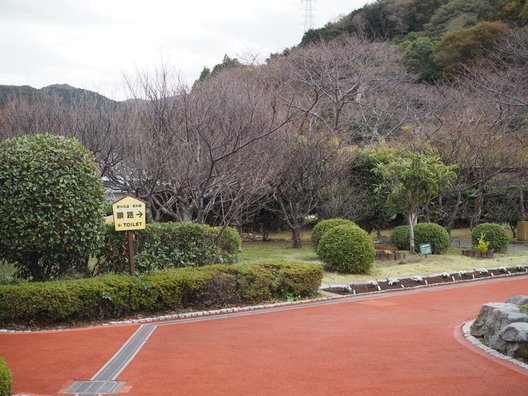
<point>400,237</point>
<point>159,246</point>
<point>325,225</point>
<point>430,233</point>
<point>6,378</point>
<point>230,243</point>
<point>110,296</point>
<point>494,234</point>
<point>51,205</point>
<point>347,249</point>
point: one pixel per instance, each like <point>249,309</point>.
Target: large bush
<point>494,234</point>
<point>6,378</point>
<point>159,246</point>
<point>347,249</point>
<point>43,303</point>
<point>51,205</point>
<point>430,233</point>
<point>325,225</point>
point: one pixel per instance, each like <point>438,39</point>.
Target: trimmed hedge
<point>431,233</point>
<point>6,378</point>
<point>167,245</point>
<point>347,249</point>
<point>494,234</point>
<point>111,296</point>
<point>323,226</point>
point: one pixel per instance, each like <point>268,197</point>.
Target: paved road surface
<point>392,344</point>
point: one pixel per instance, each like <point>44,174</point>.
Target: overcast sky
<point>93,43</point>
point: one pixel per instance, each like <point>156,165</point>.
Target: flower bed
<point>414,281</point>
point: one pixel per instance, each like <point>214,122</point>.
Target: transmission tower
<point>308,14</point>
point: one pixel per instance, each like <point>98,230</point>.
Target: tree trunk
<point>521,204</point>
<point>454,213</point>
<point>479,200</point>
<point>296,237</point>
<point>411,220</point>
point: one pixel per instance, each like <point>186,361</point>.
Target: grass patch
<point>254,252</point>
<point>524,308</point>
<point>280,247</point>
<point>434,264</point>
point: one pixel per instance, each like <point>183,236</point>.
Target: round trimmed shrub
<point>51,205</point>
<point>494,234</point>
<point>323,226</point>
<point>6,378</point>
<point>347,249</point>
<point>431,233</point>
<point>230,242</point>
<point>400,237</point>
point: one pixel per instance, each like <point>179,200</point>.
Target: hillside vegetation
<point>264,146</point>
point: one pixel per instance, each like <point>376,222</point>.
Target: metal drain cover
<point>94,387</point>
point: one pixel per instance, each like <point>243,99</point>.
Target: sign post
<point>129,215</point>
<point>426,249</point>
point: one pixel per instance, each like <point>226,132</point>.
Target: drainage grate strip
<point>94,387</point>
<point>126,353</point>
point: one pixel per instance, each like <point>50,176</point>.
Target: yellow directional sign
<point>129,214</point>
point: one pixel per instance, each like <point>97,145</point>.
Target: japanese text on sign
<point>129,214</point>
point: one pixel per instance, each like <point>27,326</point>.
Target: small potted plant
<point>482,248</point>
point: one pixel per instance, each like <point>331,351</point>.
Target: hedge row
<point>167,245</point>
<point>6,378</point>
<point>111,296</point>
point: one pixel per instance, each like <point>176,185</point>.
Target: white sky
<point>93,43</point>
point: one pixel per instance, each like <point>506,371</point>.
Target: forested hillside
<point>437,36</point>
<point>269,144</point>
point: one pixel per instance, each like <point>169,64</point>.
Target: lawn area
<point>280,248</point>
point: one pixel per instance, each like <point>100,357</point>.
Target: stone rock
<point>517,300</point>
<point>493,316</point>
<point>502,326</point>
<point>516,337</point>
<point>515,332</point>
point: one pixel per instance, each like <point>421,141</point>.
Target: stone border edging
<point>337,285</point>
<point>476,342</point>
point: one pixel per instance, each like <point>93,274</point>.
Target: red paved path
<point>400,345</point>
<point>45,363</point>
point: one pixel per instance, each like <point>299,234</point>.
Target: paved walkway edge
<point>490,351</point>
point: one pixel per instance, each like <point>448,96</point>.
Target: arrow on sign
<point>140,214</point>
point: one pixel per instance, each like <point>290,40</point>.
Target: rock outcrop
<point>502,326</point>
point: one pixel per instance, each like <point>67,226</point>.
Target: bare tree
<point>206,149</point>
<point>310,161</point>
